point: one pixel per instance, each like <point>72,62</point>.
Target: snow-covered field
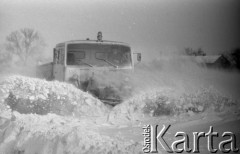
<point>51,117</point>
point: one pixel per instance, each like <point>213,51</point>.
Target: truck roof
<point>93,42</point>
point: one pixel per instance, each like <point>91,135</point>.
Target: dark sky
<point>150,26</point>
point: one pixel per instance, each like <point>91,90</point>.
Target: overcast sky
<point>149,26</point>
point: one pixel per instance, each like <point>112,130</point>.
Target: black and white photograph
<point>119,76</point>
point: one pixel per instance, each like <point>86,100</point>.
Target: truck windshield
<point>105,55</point>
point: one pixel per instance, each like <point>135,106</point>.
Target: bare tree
<point>24,43</point>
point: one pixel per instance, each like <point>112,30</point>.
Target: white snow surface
<point>53,134</point>
<point>32,95</point>
<point>75,130</point>
<point>165,102</point>
<point>51,117</point>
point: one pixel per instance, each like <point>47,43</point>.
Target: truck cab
<point>84,62</point>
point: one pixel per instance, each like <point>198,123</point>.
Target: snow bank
<point>31,95</point>
<point>36,116</point>
<point>163,102</point>
<point>51,134</point>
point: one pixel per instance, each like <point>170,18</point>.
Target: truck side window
<point>58,56</point>
<point>55,56</point>
<point>61,56</point>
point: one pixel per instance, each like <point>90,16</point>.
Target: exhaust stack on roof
<point>99,37</point>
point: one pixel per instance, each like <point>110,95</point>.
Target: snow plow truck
<point>85,62</point>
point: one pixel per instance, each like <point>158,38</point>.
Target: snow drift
<point>53,134</point>
<point>163,102</point>
<point>41,117</point>
<point>31,95</point>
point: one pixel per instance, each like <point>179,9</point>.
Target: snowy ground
<point>42,117</point>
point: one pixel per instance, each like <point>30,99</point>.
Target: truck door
<point>58,64</point>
